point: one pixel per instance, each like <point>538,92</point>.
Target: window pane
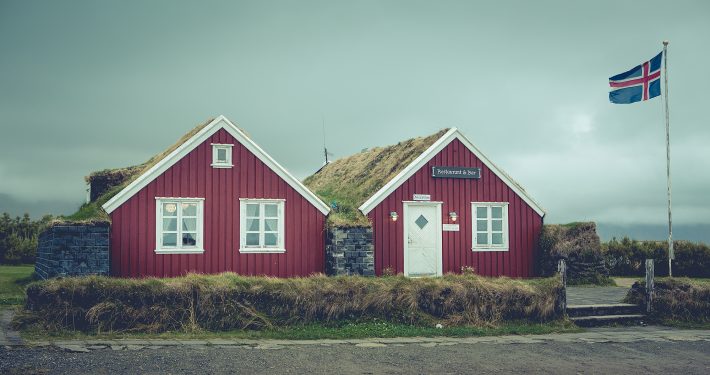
<point>481,212</point>
<point>252,239</point>
<point>253,225</point>
<point>497,212</point>
<point>169,209</point>
<point>252,210</point>
<point>271,225</point>
<point>189,225</point>
<point>497,225</point>
<point>270,210</point>
<point>189,239</point>
<point>189,209</point>
<point>497,238</point>
<point>170,239</point>
<point>270,239</point>
<point>222,155</point>
<point>482,225</point>
<point>482,238</point>
<point>170,224</point>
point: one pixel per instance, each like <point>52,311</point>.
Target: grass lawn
<point>347,330</point>
<point>13,280</point>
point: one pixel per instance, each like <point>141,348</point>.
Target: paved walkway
<point>8,336</point>
<point>595,295</point>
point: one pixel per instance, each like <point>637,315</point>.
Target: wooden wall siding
<point>133,228</point>
<point>457,195</point>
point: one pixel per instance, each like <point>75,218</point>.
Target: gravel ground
<point>552,357</point>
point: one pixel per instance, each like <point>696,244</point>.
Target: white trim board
<point>427,155</point>
<point>220,122</point>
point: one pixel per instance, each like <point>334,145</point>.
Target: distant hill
<point>688,232</point>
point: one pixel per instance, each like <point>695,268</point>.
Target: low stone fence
<point>73,250</point>
<point>349,251</point>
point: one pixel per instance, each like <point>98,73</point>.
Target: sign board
<point>450,227</point>
<point>421,197</point>
<point>455,172</point>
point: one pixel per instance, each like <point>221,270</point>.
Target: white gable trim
<point>427,155</point>
<point>220,122</point>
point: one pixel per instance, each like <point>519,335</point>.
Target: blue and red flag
<point>642,82</point>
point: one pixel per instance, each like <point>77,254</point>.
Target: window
<point>262,226</point>
<point>179,225</point>
<point>490,226</point>
<point>221,155</point>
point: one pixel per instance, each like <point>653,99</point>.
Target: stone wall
<point>349,251</point>
<point>73,250</point>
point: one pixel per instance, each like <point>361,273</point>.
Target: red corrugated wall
<point>133,223</point>
<point>457,195</point>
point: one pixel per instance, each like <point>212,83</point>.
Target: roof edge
<point>168,161</point>
<point>428,154</point>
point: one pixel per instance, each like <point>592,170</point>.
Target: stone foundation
<point>73,250</point>
<point>349,251</point>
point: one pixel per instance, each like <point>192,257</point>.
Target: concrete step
<point>607,320</point>
<point>602,309</point>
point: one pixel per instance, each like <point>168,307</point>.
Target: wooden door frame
<point>405,215</point>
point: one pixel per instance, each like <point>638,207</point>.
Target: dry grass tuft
<point>352,180</point>
<point>677,299</point>
<point>229,301</point>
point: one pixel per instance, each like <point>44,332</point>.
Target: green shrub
<point>676,299</point>
<point>627,257</point>
<point>228,301</point>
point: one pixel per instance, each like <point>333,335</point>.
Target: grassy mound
<point>677,299</point>
<point>228,301</point>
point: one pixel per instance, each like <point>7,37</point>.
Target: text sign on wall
<point>455,172</point>
<point>421,197</point>
<point>450,227</point>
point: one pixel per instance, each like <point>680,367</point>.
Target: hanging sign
<point>421,197</point>
<point>450,227</point>
<point>455,172</point>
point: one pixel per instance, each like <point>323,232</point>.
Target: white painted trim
<point>427,155</point>
<point>439,254</point>
<point>281,244</point>
<point>506,227</point>
<point>178,251</point>
<point>199,245</point>
<point>220,122</point>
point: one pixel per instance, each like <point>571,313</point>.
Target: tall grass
<point>228,301</point>
<point>676,299</point>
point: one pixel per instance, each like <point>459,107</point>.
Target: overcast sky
<point>87,85</point>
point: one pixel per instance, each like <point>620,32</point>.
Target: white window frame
<point>216,163</point>
<point>179,248</point>
<point>281,212</point>
<point>474,227</point>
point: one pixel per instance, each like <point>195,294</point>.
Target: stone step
<point>602,309</point>
<point>607,320</point>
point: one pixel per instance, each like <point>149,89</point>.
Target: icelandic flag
<point>642,82</point>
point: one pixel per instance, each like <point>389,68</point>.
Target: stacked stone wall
<point>73,250</point>
<point>350,251</point>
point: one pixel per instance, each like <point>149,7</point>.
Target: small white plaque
<point>421,197</point>
<point>450,227</point>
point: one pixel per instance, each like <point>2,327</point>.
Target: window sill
<point>222,165</point>
<point>179,251</point>
<point>482,249</point>
<point>261,251</point>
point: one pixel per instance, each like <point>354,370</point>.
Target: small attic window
<point>222,155</point>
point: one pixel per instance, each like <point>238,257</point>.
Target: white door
<point>422,239</point>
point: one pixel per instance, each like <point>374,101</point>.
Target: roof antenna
<point>325,149</point>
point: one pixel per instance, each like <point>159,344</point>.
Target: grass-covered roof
<point>350,181</point>
<point>92,211</point>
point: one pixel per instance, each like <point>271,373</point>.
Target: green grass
<point>13,280</point>
<point>347,330</point>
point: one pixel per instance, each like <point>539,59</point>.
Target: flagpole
<point>671,253</point>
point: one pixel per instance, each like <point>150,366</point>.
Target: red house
<point>437,205</point>
<point>218,202</point>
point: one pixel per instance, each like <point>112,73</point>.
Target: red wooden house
<point>217,202</point>
<point>436,205</point>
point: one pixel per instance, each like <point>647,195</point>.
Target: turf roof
<point>350,181</point>
<point>92,211</point>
